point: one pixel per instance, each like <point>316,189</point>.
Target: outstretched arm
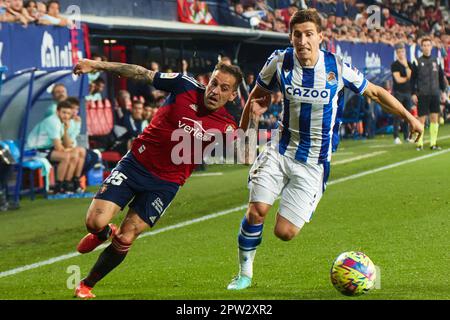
<point>131,71</point>
<point>264,99</point>
<point>258,102</point>
<point>391,105</point>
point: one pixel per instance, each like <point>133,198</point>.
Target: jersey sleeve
<point>353,79</point>
<point>175,82</point>
<point>267,77</point>
<point>169,82</point>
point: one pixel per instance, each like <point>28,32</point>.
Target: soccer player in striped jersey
<point>297,165</point>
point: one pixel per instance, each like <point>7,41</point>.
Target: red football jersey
<point>183,119</point>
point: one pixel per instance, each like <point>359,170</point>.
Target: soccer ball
<point>353,273</point>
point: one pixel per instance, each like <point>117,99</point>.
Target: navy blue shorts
<point>45,153</point>
<point>130,179</point>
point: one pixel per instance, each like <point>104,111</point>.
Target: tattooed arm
<point>257,103</point>
<point>131,71</point>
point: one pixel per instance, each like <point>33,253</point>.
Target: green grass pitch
<point>399,217</point>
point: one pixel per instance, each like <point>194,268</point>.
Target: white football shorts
<point>299,184</point>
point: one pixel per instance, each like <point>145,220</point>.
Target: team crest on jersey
<point>194,107</point>
<point>170,75</point>
<point>331,78</point>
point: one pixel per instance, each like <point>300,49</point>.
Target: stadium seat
<point>32,165</point>
<point>99,117</point>
<point>90,117</point>
<point>110,157</point>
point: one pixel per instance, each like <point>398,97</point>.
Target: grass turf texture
<point>398,217</point>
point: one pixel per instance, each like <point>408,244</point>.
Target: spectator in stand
<point>148,114</point>
<point>59,93</point>
<point>276,107</point>
<point>2,11</point>
<point>53,11</point>
<point>122,107</point>
<point>331,21</point>
<point>43,17</point>
<point>48,138</point>
<point>154,66</point>
<point>272,122</point>
<point>387,21</point>
<point>261,5</point>
<point>281,16</point>
<point>95,75</point>
<point>90,156</point>
<point>132,127</point>
<point>31,7</point>
<point>96,88</point>
<point>249,81</point>
<point>185,68</point>
<point>15,12</point>
<point>239,8</point>
<point>280,26</point>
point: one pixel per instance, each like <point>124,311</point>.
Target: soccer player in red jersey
<point>148,176</point>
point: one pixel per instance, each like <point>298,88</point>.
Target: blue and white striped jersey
<point>313,102</point>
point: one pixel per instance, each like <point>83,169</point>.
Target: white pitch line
<point>390,166</point>
<point>364,156</point>
<point>208,174</point>
<point>345,153</point>
<point>391,145</point>
<point>212,216</point>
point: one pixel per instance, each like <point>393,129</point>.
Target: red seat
<point>109,115</point>
<point>90,117</point>
<point>111,156</point>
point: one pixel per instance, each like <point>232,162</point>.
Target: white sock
<point>246,262</point>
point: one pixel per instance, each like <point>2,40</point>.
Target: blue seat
<point>31,165</point>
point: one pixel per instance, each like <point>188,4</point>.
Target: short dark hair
<point>306,15</point>
<point>73,101</point>
<point>235,71</point>
<point>425,39</point>
<point>27,3</point>
<point>64,105</point>
<point>135,102</point>
<point>53,1</point>
<point>99,80</point>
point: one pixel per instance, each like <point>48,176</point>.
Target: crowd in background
<point>31,11</point>
<point>349,20</point>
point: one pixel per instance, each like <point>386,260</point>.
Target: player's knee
<point>93,223</point>
<point>285,234</point>
<point>127,236</point>
<point>257,212</point>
